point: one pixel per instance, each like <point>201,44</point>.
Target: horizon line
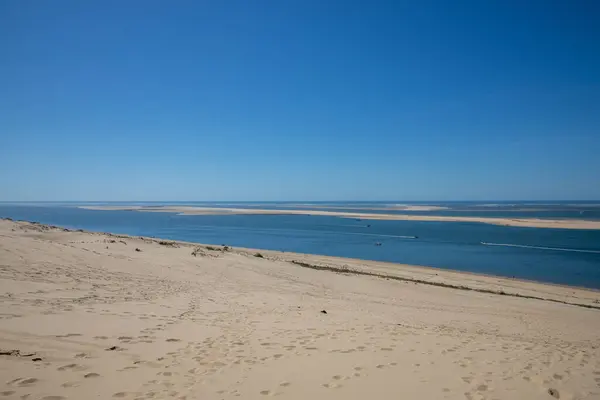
<point>293,201</point>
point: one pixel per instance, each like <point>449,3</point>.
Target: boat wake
<point>540,247</point>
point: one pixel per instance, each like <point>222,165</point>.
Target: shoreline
<point>119,316</point>
<point>513,222</point>
<point>388,270</point>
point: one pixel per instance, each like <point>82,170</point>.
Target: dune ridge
<point>115,316</point>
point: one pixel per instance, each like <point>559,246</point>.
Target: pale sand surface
<point>109,322</point>
<point>519,222</point>
<point>397,207</point>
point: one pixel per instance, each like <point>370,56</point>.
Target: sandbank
<point>517,222</point>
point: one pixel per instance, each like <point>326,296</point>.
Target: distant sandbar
<point>517,222</point>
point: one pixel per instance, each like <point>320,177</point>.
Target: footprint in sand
<point>332,385</point>
<point>7,393</point>
<point>92,375</point>
<point>554,393</point>
<point>72,367</point>
<point>173,340</point>
<point>23,382</point>
<point>69,335</point>
<point>121,395</point>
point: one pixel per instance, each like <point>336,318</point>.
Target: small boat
<point>378,244</point>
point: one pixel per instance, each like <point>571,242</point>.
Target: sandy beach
<point>518,222</point>
<point>90,315</point>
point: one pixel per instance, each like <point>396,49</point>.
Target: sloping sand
<point>86,315</point>
<point>519,222</point>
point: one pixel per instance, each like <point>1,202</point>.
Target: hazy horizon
<point>390,202</point>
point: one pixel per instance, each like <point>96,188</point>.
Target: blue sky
<point>299,100</point>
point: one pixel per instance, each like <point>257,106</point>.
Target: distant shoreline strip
<point>540,247</point>
<point>514,222</point>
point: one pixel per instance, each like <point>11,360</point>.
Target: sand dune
<point>519,222</point>
<point>102,316</point>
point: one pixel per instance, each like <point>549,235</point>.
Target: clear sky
<point>299,100</point>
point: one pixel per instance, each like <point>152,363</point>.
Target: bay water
<point>562,256</point>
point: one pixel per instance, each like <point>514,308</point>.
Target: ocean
<point>561,256</point>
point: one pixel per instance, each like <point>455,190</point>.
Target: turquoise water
<point>549,255</point>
